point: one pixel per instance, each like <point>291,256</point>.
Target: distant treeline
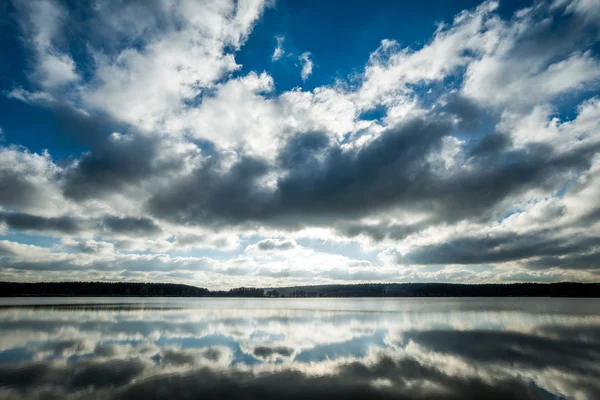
<point>564,289</point>
<point>10,289</point>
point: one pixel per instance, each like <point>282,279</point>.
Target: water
<point>407,348</point>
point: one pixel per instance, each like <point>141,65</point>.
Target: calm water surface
<point>437,348</point>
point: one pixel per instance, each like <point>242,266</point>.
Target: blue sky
<point>225,143</point>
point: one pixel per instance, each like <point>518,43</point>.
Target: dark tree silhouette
<point>563,289</point>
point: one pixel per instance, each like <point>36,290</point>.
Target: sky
<point>274,143</point>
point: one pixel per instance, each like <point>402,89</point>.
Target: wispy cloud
<point>307,65</point>
<point>279,51</point>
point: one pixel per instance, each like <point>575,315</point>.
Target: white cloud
<point>448,155</point>
<point>279,51</point>
<point>30,97</point>
<point>487,79</point>
<point>30,182</point>
<point>391,68</point>
<point>239,116</point>
<point>307,65</point>
<point>586,8</point>
<point>145,86</point>
<point>43,21</point>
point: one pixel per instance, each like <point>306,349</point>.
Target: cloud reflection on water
<point>347,348</point>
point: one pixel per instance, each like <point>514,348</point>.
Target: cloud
<point>279,52</point>
<point>543,60</point>
<point>585,8</point>
<point>115,164</point>
<point>109,226</point>
<point>272,244</point>
<point>392,69</point>
<point>27,222</point>
<point>209,240</point>
<point>313,184</point>
<point>175,64</point>
<point>28,180</point>
<point>483,153</point>
<point>498,248</point>
<point>137,226</point>
<point>88,246</point>
<point>264,351</point>
<point>307,65</point>
<point>43,20</point>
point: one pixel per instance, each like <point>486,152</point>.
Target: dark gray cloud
<point>178,357</point>
<point>15,189</point>
<point>131,226</point>
<point>107,225</point>
<point>265,351</point>
<point>588,258</point>
<point>382,231</point>
<point>27,222</point>
<point>490,145</point>
<point>112,162</point>
<point>129,263</point>
<point>271,244</point>
<point>500,248</point>
<point>90,247</point>
<point>174,357</point>
<point>60,347</point>
<point>469,113</point>
<point>382,174</point>
<point>85,129</point>
<point>212,354</point>
<point>234,196</point>
<point>20,184</point>
<point>111,166</point>
<point>106,350</point>
<point>322,183</point>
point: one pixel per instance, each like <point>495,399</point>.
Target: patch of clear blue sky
<point>33,239</point>
<point>341,35</point>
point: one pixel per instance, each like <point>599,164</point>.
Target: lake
<point>359,348</point>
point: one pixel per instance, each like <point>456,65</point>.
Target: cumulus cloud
<point>485,154</point>
<point>43,21</point>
